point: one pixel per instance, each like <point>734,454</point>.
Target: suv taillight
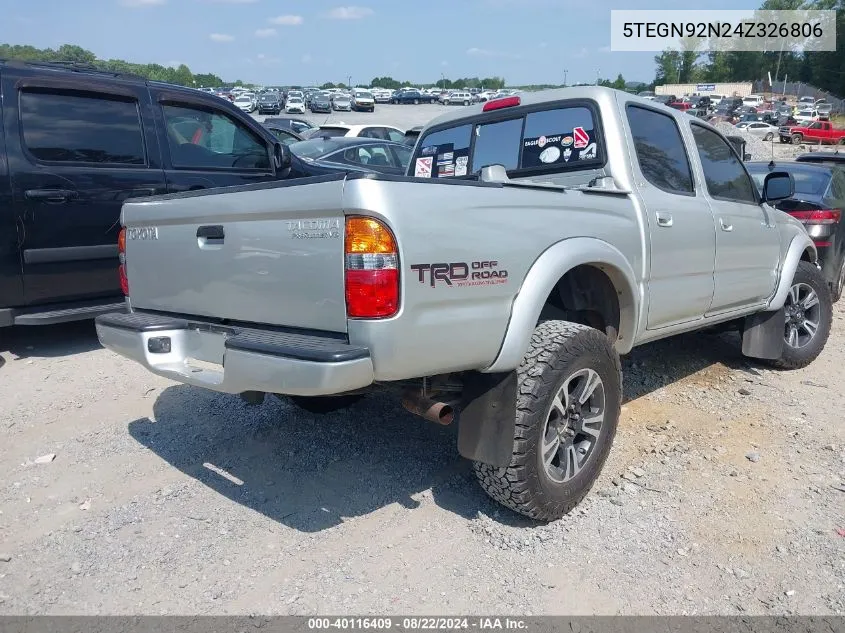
<point>372,269</point>
<point>121,255</point>
<point>820,223</point>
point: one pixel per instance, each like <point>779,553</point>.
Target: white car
<point>382,96</point>
<point>806,116</point>
<point>295,105</point>
<point>363,100</point>
<point>459,98</point>
<point>382,132</point>
<point>245,103</point>
<point>760,129</point>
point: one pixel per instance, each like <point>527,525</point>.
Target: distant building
<point>736,89</point>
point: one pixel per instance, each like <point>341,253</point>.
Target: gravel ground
<point>724,494</point>
<point>125,493</point>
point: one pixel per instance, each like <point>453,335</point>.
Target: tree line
<point>491,83</point>
<point>180,75</point>
<point>822,69</point>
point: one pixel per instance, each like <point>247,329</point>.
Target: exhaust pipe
<point>431,410</point>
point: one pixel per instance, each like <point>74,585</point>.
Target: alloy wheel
<point>573,425</point>
<point>803,314</point>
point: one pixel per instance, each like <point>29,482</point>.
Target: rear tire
<point>809,314</point>
<point>466,103</point>
<point>796,139</point>
<point>324,404</point>
<point>560,444</point>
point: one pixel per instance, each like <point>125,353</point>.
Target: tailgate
<point>267,253</point>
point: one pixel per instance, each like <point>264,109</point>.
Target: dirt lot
<point>723,494</point>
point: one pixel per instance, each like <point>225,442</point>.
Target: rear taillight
<point>372,269</point>
<point>819,223</point>
<point>817,216</point>
<point>121,255</point>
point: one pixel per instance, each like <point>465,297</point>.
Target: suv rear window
<point>554,140</point>
<point>63,127</point>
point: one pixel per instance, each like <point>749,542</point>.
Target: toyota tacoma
<point>533,241</point>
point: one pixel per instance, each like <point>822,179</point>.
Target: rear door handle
<point>726,226</point>
<point>664,219</point>
<point>51,196</point>
<point>141,192</point>
<point>211,232</point>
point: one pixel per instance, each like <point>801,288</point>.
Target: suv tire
<point>565,363</point>
<point>808,302</point>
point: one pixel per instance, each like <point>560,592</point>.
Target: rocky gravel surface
<point>771,150</point>
<point>124,493</point>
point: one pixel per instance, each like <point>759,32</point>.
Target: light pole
<point>598,75</point>
<point>349,81</point>
<point>443,78</point>
<point>564,77</point>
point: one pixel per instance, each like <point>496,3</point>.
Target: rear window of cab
<point>562,138</point>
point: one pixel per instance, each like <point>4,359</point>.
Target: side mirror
<point>778,185</point>
<point>281,156</point>
<point>746,156</point>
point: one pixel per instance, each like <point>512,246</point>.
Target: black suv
<point>269,103</point>
<point>75,143</point>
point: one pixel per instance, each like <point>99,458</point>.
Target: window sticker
<point>461,165</point>
<point>422,168</point>
<point>559,148</point>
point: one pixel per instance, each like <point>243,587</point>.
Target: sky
<point>314,41</point>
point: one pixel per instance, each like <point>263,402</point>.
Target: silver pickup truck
<point>534,240</point>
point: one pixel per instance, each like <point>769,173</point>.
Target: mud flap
<point>762,335</point>
<point>487,419</point>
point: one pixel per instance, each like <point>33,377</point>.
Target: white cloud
<point>233,1</point>
<point>349,13</point>
<point>306,59</point>
<point>286,20</point>
<point>486,52</point>
<point>140,4</point>
<point>581,54</point>
<point>173,63</point>
<point>265,33</point>
<point>444,63</point>
<point>604,49</point>
<point>542,45</point>
<point>221,37</point>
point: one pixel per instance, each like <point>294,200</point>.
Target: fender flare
<point>541,278</point>
<point>797,247</point>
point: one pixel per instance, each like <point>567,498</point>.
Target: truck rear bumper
<point>234,359</point>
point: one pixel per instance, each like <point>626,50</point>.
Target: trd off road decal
<point>460,274</point>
